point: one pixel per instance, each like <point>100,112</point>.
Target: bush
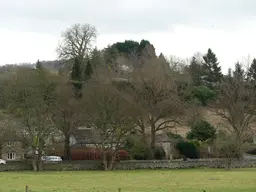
<point>252,152</point>
<point>140,152</point>
<point>159,153</point>
<point>137,149</point>
<point>172,135</point>
<point>202,131</point>
<point>188,149</point>
<point>85,154</point>
<point>122,155</point>
<point>203,94</point>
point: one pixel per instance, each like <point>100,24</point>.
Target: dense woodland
<point>126,92</point>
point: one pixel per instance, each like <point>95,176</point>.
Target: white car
<point>3,162</point>
<point>51,158</point>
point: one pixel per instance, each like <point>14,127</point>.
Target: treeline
<point>121,90</point>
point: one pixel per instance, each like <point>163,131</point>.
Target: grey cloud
<point>122,16</point>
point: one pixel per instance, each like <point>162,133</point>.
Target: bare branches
<point>108,113</point>
<point>77,41</point>
<point>31,96</point>
<point>237,105</point>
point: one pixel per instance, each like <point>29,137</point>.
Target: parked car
<point>51,158</point>
<point>3,162</point>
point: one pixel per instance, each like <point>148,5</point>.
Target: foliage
<point>252,71</point>
<point>195,71</point>
<point>85,154</point>
<point>136,147</point>
<point>159,153</point>
<point>203,94</point>
<point>252,151</point>
<point>88,71</point>
<point>140,152</point>
<point>172,135</point>
<point>39,65</point>
<point>128,46</point>
<point>211,69</point>
<point>202,131</point>
<point>122,155</point>
<point>188,149</point>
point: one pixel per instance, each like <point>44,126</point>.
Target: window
<point>11,156</point>
<point>10,143</point>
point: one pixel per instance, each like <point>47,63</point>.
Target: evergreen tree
<point>96,58</point>
<point>212,70</point>
<point>252,70</point>
<point>239,73</point>
<point>195,70</point>
<point>76,75</point>
<point>88,71</point>
<point>39,65</point>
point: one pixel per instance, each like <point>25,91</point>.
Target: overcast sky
<point>30,29</point>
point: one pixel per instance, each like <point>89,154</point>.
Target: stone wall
<point>16,166</point>
<point>73,166</point>
<point>178,164</point>
<point>130,165</point>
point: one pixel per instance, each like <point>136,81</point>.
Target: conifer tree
<point>88,71</point>
<point>76,74</point>
<point>39,65</point>
<point>212,70</point>
<point>239,72</point>
<point>252,71</point>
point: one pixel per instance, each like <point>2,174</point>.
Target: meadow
<point>192,180</point>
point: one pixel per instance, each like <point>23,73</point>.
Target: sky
<point>31,29</point>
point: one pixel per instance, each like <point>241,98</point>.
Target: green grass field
<point>193,180</point>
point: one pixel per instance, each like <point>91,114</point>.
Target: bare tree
<point>237,105</point>
<point>31,96</point>
<point>227,146</point>
<point>108,114</point>
<point>67,114</point>
<point>76,41</point>
<point>156,101</point>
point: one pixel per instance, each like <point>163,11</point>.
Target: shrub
<point>188,149</point>
<point>202,131</point>
<point>203,94</point>
<point>122,155</point>
<point>172,135</point>
<point>85,154</point>
<point>137,148</point>
<point>140,152</point>
<point>159,153</point>
<point>252,152</point>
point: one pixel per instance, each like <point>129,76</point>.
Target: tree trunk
<point>229,162</point>
<point>67,151</point>
<point>152,141</point>
<point>1,148</point>
<point>105,160</point>
<point>34,162</point>
<point>39,161</point>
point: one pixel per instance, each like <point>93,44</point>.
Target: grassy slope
<point>191,180</point>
